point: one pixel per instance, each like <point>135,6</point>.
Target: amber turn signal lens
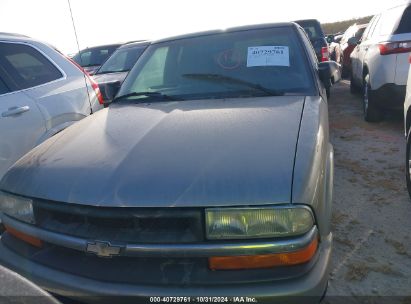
<point>264,261</point>
<point>25,237</point>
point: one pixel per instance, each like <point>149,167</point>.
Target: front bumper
<point>308,288</point>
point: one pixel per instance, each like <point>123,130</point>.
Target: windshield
<point>235,64</point>
<point>312,28</point>
<point>94,56</point>
<point>122,60</point>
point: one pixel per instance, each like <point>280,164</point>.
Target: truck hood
<point>197,153</point>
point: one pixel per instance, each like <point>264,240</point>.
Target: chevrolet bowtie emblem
<point>103,249</point>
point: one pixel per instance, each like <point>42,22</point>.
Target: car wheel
<point>345,71</point>
<point>371,112</point>
<point>354,89</point>
<point>408,163</point>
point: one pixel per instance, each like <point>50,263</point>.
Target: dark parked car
<point>317,38</point>
<point>210,174</point>
<point>116,68</point>
<point>92,58</point>
<point>348,42</point>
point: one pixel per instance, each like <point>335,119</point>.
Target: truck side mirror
<point>109,91</point>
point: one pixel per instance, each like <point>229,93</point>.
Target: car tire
<point>344,71</point>
<point>354,89</point>
<point>408,163</point>
<point>371,111</point>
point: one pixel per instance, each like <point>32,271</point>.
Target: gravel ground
<point>372,211</point>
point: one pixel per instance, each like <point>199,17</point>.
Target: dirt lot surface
<point>372,211</point>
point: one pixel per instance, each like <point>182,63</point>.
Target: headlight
<point>18,207</point>
<point>264,222</point>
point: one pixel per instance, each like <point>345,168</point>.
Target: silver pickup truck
<point>209,175</point>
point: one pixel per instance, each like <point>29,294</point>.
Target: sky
<point>109,21</point>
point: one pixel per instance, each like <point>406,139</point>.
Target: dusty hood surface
<point>189,153</point>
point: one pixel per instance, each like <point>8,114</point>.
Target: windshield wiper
<point>161,96</point>
<point>110,72</point>
<point>228,79</point>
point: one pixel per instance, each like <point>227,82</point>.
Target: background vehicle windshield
<point>313,29</point>
<point>233,64</point>
<point>353,31</point>
<point>94,56</point>
<point>122,60</point>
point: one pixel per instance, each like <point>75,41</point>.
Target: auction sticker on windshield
<point>268,56</point>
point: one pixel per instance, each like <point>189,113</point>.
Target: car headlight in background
<point>18,207</point>
<point>264,222</point>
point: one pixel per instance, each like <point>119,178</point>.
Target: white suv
<point>407,125</point>
<point>380,61</point>
<point>41,93</point>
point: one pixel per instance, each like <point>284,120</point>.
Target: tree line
<point>341,26</point>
